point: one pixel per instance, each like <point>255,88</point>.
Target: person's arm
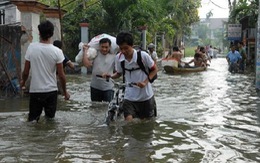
<point>116,75</point>
<point>25,73</point>
<point>190,61</point>
<point>67,62</point>
<point>203,64</point>
<point>86,62</point>
<point>62,78</point>
<point>153,71</point>
<point>71,65</point>
<point>227,58</point>
<point>239,58</point>
<point>113,76</point>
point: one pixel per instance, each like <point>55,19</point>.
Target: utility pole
<point>257,54</point>
<point>60,17</point>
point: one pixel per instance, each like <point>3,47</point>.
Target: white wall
<point>12,14</point>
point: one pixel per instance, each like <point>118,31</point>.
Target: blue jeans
<point>99,95</point>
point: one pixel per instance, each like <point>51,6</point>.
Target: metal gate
<point>10,60</point>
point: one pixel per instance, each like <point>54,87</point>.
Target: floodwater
<point>205,117</point>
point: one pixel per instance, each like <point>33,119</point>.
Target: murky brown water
<point>211,116</point>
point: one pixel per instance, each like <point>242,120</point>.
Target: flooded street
<point>204,117</point>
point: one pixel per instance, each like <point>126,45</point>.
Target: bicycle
<point>115,106</point>
<point>114,109</point>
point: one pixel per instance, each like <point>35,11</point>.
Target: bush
<point>189,51</point>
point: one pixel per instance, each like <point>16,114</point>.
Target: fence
<point>10,60</point>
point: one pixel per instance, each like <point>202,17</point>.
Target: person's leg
<point>108,95</point>
<point>35,107</point>
<point>231,67</point>
<point>146,109</point>
<point>129,110</point>
<point>153,106</point>
<point>236,67</point>
<point>50,104</point>
<point>242,66</point>
<point>129,118</point>
<point>96,95</point>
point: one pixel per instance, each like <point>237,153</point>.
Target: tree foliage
<point>173,17</point>
<point>242,8</point>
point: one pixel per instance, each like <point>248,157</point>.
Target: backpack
<point>141,66</point>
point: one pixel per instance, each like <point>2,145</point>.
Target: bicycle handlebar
<point>118,84</point>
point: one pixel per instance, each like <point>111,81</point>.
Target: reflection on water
<point>210,116</point>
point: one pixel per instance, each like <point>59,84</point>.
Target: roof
<point>4,2</point>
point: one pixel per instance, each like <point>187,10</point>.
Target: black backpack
<point>141,66</point>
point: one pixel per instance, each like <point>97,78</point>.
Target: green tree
<point>240,9</point>
<point>180,15</point>
<point>173,17</point>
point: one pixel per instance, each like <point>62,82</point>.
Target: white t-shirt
<point>43,59</point>
<point>154,55</point>
<point>136,93</point>
<point>102,64</point>
<point>211,52</point>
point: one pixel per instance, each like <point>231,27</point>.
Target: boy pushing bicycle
<point>139,102</point>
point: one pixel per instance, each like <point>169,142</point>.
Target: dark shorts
<point>40,101</point>
<point>233,67</point>
<point>98,95</point>
<point>144,109</point>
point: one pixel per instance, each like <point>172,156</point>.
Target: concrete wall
<point>57,30</point>
<point>12,14</point>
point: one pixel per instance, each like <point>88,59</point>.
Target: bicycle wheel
<point>109,117</point>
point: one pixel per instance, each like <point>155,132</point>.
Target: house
<point>9,13</point>
<point>209,31</point>
<point>215,25</point>
<point>249,35</point>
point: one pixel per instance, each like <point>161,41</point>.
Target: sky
<point>219,10</point>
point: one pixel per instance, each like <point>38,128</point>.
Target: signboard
<point>234,32</point>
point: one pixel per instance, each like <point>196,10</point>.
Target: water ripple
<point>210,116</point>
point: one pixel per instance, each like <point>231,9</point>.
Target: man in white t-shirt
<point>211,52</point>
<point>152,52</point>
<point>139,100</point>
<point>44,60</point>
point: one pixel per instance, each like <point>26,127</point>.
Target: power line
<point>217,5</point>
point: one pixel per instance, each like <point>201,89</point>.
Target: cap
<point>151,45</point>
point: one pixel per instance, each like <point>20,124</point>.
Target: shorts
<point>99,95</point>
<point>40,101</point>
<point>143,109</point>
